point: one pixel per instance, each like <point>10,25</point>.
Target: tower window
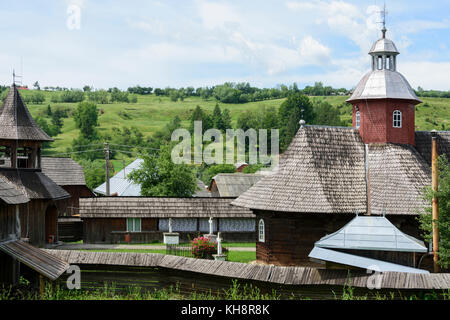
<point>388,63</point>
<point>358,119</point>
<point>261,231</point>
<point>380,62</point>
<point>397,119</point>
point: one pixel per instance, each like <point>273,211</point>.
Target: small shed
<point>108,219</point>
<point>232,184</point>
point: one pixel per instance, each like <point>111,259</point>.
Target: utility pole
<point>107,167</point>
<point>435,204</point>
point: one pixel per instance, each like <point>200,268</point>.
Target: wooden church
<point>328,175</point>
<point>29,200</point>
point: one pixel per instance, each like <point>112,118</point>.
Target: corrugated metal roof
<point>371,233</point>
<point>360,262</point>
<point>120,183</point>
<point>39,260</point>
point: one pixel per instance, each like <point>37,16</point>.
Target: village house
<point>145,219</point>
<point>232,184</point>
<point>69,175</point>
<point>328,175</point>
<point>29,200</point>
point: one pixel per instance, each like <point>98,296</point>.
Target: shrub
<point>202,248</point>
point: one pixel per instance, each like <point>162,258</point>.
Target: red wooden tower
<point>383,101</point>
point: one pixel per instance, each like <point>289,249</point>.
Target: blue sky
<point>205,42</point>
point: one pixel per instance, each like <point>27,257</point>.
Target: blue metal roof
<point>371,233</point>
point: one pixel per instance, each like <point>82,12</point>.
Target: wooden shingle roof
<point>398,175</point>
<point>423,144</point>
<point>17,122</point>
<point>39,260</point>
<point>160,207</point>
<point>322,171</point>
<point>63,171</point>
<point>234,184</point>
<point>33,184</point>
<point>9,194</point>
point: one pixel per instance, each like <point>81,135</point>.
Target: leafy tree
<point>247,120</point>
<point>71,96</point>
<point>199,115</point>
<point>226,118</point>
<point>49,110</point>
<point>37,98</point>
<point>159,176</point>
<point>37,86</point>
<point>211,171</point>
<point>94,172</point>
<point>425,220</point>
<point>87,89</point>
<point>218,119</point>
<point>290,114</point>
<point>326,114</point>
<point>99,96</point>
<point>119,96</point>
<point>86,119</point>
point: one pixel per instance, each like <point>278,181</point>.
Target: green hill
<point>151,113</point>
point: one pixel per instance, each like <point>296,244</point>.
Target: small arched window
<point>397,119</point>
<point>261,231</point>
<point>358,119</point>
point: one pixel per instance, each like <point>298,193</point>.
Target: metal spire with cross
<point>383,14</point>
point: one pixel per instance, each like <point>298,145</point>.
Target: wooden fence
<point>150,270</point>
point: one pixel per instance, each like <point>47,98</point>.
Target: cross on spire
<point>383,14</point>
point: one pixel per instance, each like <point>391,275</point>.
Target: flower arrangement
<point>203,248</point>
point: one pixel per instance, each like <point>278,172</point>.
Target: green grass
<point>233,256</point>
<point>152,113</point>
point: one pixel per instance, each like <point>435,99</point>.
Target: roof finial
<point>302,122</point>
<point>383,15</point>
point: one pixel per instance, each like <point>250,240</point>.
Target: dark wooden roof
<point>398,175</point>
<point>63,171</point>
<point>160,207</point>
<point>266,273</point>
<point>33,184</point>
<point>16,122</point>
<point>39,260</point>
<point>423,144</point>
<point>323,171</point>
<point>9,194</point>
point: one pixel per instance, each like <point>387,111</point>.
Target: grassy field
<point>151,113</point>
